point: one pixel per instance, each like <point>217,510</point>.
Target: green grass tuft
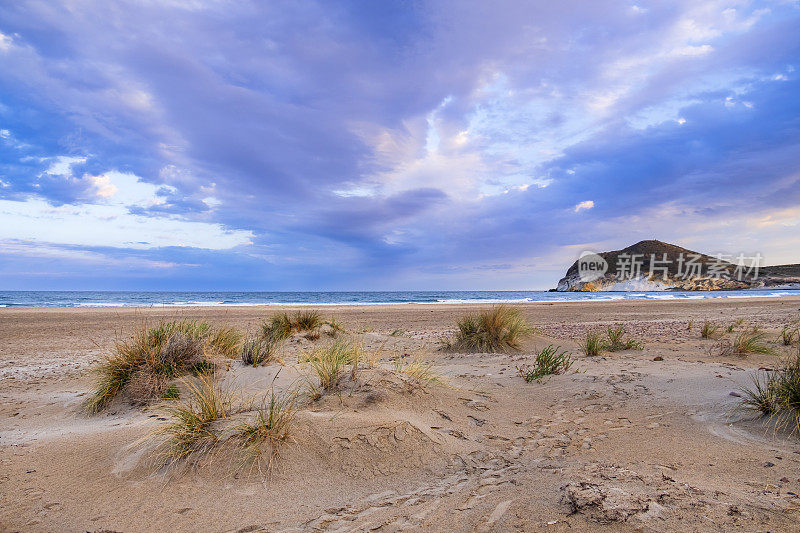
<point>281,326</point>
<point>777,394</point>
<point>789,335</point>
<point>594,344</point>
<point>549,361</point>
<point>617,341</point>
<point>709,330</point>
<point>745,343</point>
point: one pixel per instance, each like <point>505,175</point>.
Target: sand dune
<point>621,442</point>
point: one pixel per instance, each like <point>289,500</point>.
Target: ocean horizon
<point>277,298</point>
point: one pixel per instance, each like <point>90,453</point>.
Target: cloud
<point>385,145</point>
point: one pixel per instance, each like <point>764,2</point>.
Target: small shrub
<point>709,330</point>
<point>549,361</point>
<point>259,351</point>
<point>500,329</point>
<point>594,344</point>
<point>617,342</point>
<point>747,342</point>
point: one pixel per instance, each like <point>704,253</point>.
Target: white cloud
<point>109,225</point>
<point>62,165</point>
<point>110,222</point>
<point>585,205</point>
<point>5,42</point>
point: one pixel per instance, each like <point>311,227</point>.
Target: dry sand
<point>622,443</point>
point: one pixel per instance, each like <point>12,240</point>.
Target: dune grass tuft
<point>789,335</point>
<point>777,394</point>
<point>709,330</point>
<point>499,329</point>
<point>732,327</point>
<point>226,341</point>
<point>307,320</point>
<point>270,428</point>
<point>417,371</point>
<point>259,351</point>
<point>146,363</point>
<point>594,344</point>
<point>191,431</point>
<point>283,325</point>
<point>113,374</point>
<point>745,343</point>
<point>617,341</point>
<point>549,361</point>
<point>329,363</point>
<point>336,327</point>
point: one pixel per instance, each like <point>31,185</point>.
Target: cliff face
<point>654,265</point>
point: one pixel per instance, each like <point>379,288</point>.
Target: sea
<point>205,298</point>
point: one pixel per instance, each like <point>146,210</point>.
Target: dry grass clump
<point>499,329</point>
<point>192,430</point>
<point>270,428</point>
<point>709,330</point>
<point>417,372</point>
<point>283,325</point>
<point>746,342</point>
<point>226,341</point>
<point>617,341</point>
<point>260,351</point>
<point>202,422</point>
<point>330,362</point>
<point>549,361</point>
<point>147,363</point>
<point>777,394</point>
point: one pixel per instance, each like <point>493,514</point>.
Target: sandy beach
<point>637,440</point>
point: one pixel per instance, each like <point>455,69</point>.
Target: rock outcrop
<point>658,266</point>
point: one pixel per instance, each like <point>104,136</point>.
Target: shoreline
<point>605,297</point>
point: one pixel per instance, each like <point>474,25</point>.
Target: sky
<point>443,145</point>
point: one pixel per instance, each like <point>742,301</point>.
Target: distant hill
<point>657,265</point>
